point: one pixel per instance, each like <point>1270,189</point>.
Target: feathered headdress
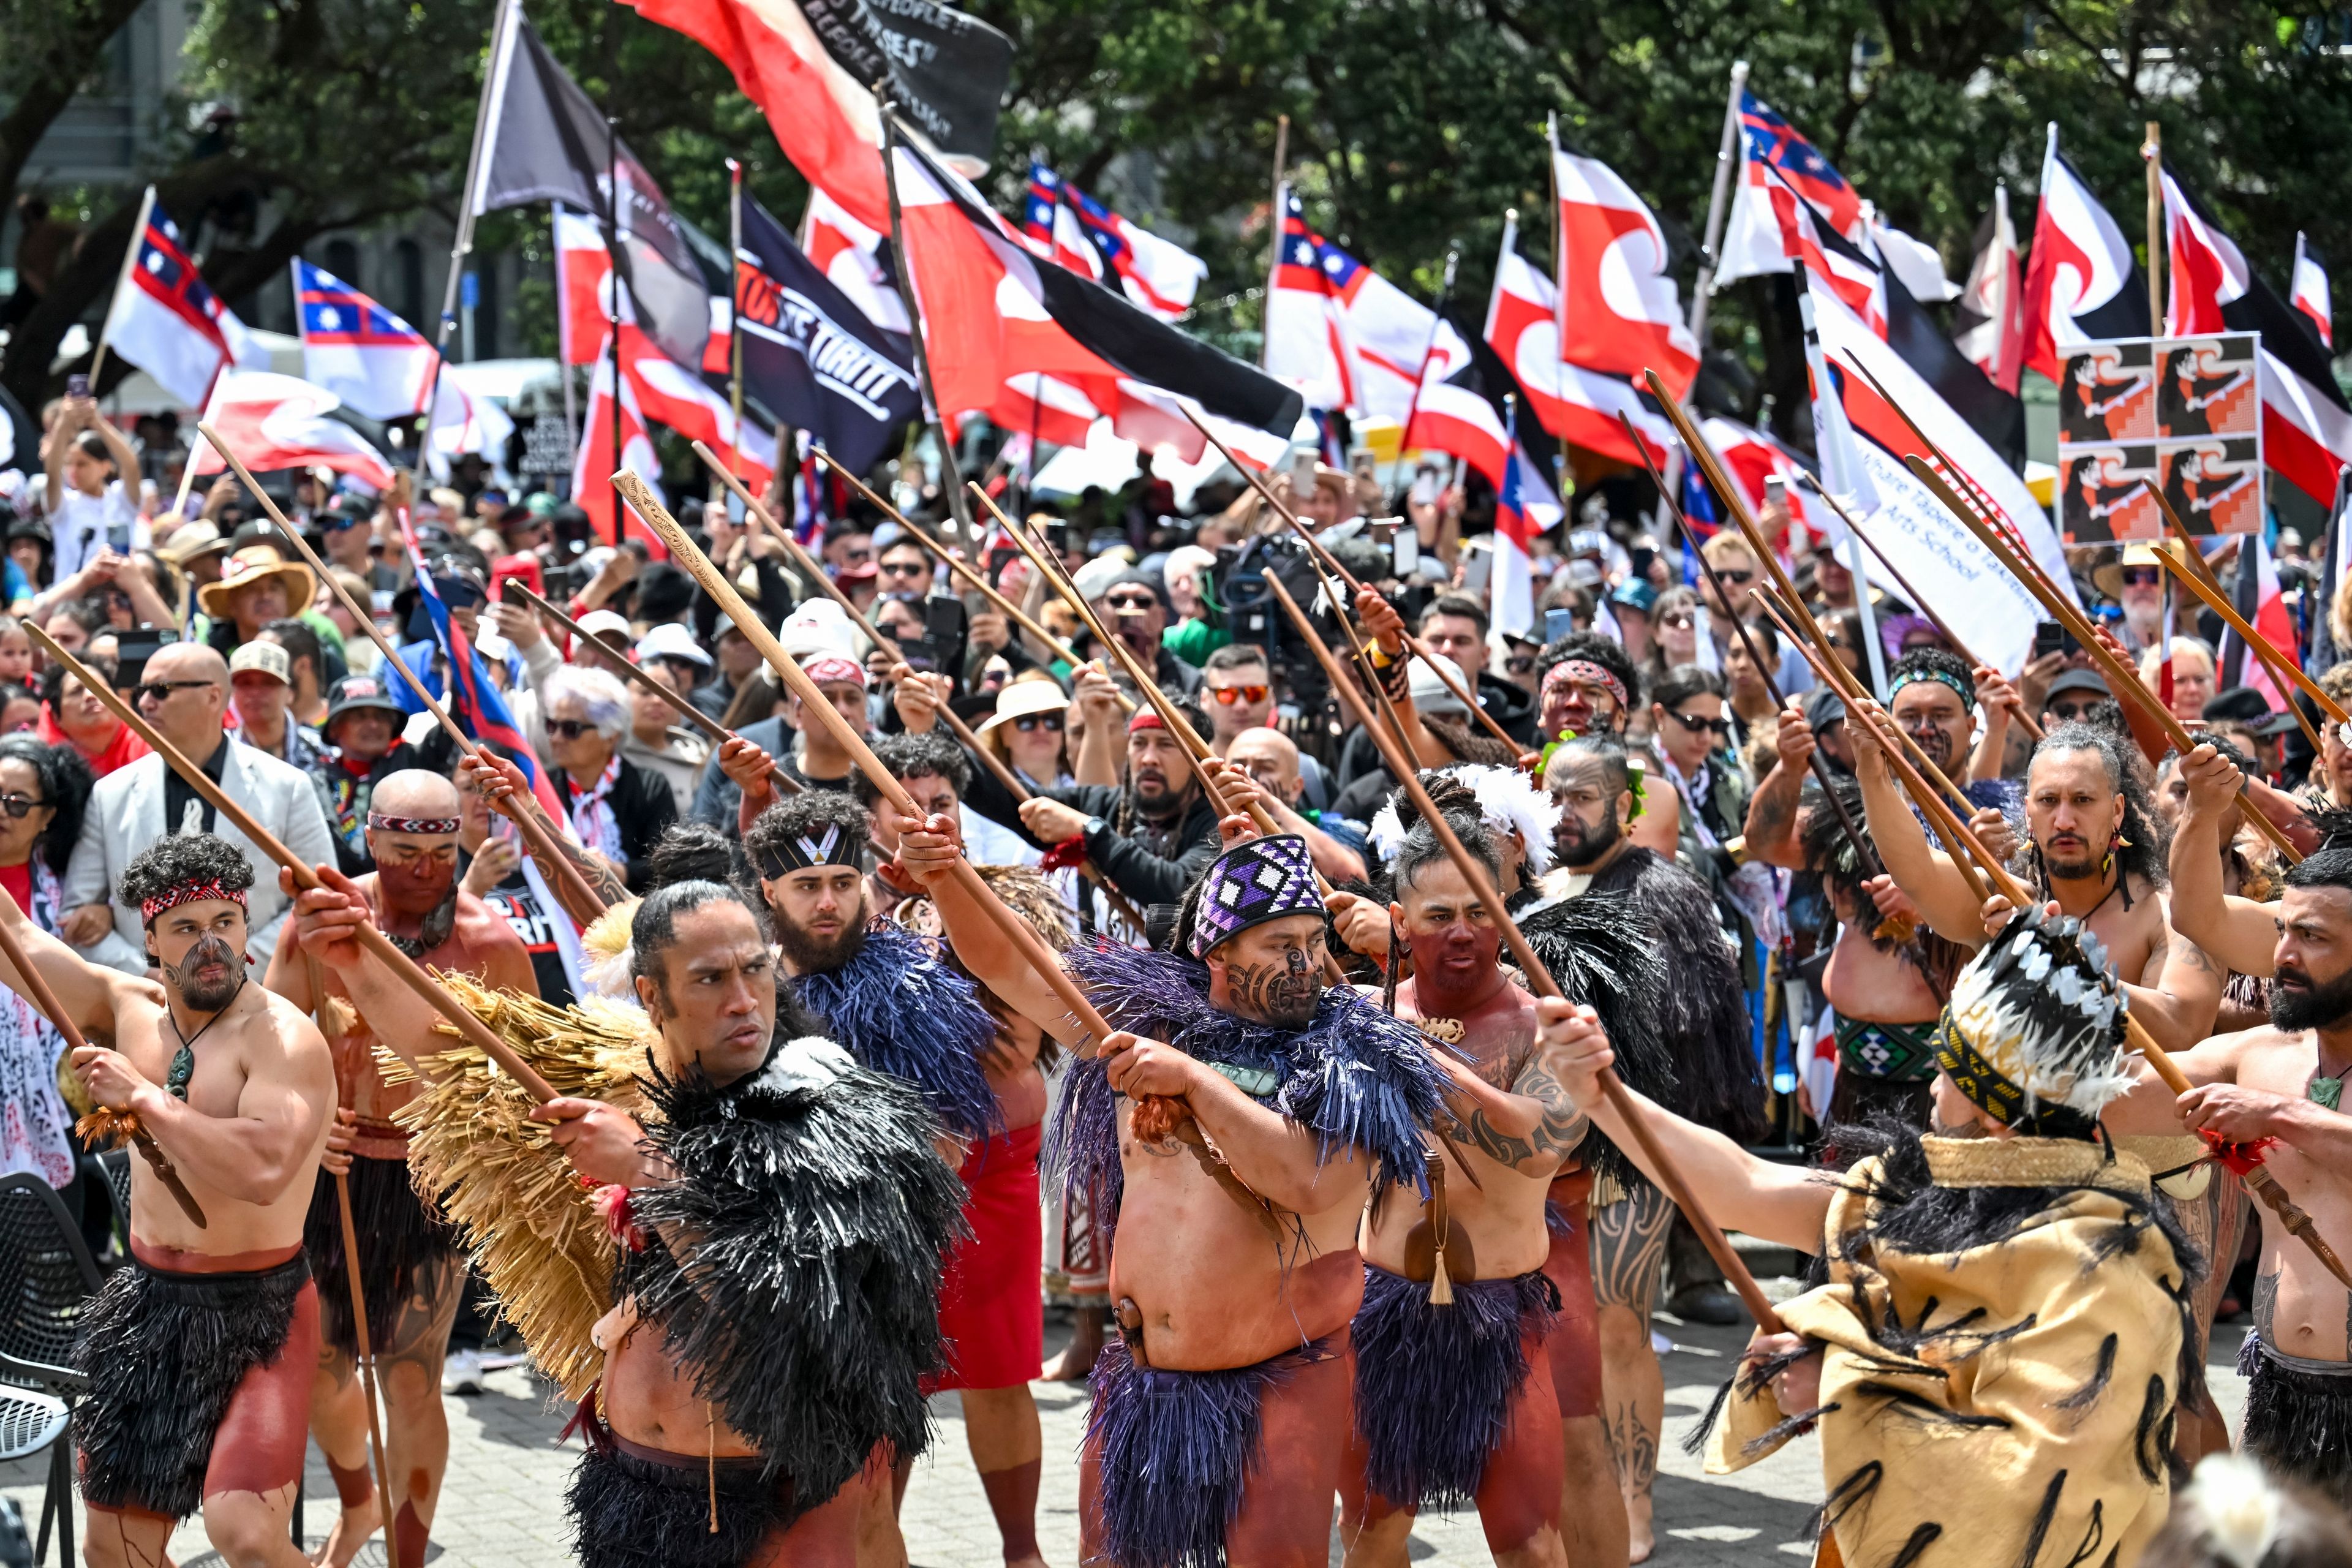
<point>1509,801</point>
<point>2035,1029</point>
<point>607,941</point>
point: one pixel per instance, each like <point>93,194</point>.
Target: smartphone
<point>1776,490</point>
<point>1361,462</point>
<point>1478,566</point>
<point>1426,488</point>
<point>1302,474</point>
<point>133,649</point>
<point>2048,637</point>
<point>940,648</point>
<point>1558,622</point>
<point>522,569</point>
<point>1406,547</point>
<point>77,386</point>
<point>1057,536</point>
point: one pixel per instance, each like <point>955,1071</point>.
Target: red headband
<point>1145,718</point>
<point>188,893</point>
<point>1591,674</point>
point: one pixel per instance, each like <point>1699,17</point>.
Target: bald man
<point>184,694</point>
<point>1270,758</point>
<point>409,1260</point>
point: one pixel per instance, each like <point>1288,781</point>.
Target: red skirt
<point>992,1312</point>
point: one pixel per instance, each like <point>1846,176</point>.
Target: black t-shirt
<point>514,901</point>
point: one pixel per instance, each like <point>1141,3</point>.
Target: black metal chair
<point>46,1275</point>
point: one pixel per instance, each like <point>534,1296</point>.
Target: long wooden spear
<point>1016,930</point>
<point>2122,679</point>
<point>2257,1176</point>
<point>404,968</point>
<point>718,734</point>
<point>1469,700</point>
<point>1539,979</point>
<point>543,847</point>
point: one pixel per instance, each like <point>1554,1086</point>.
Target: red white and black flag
<point>2308,292</point>
<point>2081,283</point>
<point>1619,307</point>
<point>1989,320</point>
<point>2307,422</point>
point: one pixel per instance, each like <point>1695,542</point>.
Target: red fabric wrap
<point>1065,855</point>
<point>989,1309</point>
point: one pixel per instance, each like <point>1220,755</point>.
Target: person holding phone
<point>90,508</point>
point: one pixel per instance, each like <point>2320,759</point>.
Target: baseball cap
<point>2244,705</point>
<point>1824,706</point>
<point>266,657</point>
<point>357,691</point>
<point>604,625</point>
<point>2078,680</point>
<point>671,640</point>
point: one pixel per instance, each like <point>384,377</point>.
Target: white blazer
<point>126,816</point>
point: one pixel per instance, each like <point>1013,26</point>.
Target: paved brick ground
<point>502,1508</point>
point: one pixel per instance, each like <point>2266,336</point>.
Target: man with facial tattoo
<point>1260,1111</point>
<point>410,1264</point>
<point>898,1005</point>
<point>198,1352</point>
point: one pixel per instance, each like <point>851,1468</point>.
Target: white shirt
<point>82,525</point>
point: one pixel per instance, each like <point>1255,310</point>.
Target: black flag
<point>544,139</point>
<point>947,70</point>
<point>812,358</point>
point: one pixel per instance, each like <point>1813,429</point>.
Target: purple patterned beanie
<point>1259,880</point>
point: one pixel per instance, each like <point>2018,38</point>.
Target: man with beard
<point>198,1353</point>
<point>1703,1014</point>
<point>410,1265</point>
<point>1152,835</point>
<point>898,1006</point>
<point>1456,1395</point>
<point>1993,1359</point>
<point>2284,1082</point>
<point>772,1217</point>
<point>1233,1184</point>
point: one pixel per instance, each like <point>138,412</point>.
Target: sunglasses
<point>1522,666</point>
<point>340,522</point>
<point>570,729</point>
<point>1734,574</point>
<point>1229,695</point>
<point>1680,621</point>
<point>1695,724</point>
<point>2143,576</point>
<point>1132,604</point>
<point>162,691</point>
<point>1028,723</point>
<point>904,568</point>
<point>19,805</point>
<point>2070,711</point>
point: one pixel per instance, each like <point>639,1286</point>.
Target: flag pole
<point>563,338</point>
<point>734,316</point>
<point>502,37</point>
<point>2152,152</point>
<point>613,298</point>
<point>1718,204</point>
<point>131,259</point>
<point>951,478</point>
<point>1274,232</point>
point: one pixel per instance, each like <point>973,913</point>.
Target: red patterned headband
<point>1588,673</point>
<point>429,826</point>
<point>188,893</point>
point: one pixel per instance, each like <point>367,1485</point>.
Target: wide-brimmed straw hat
<point>1020,698</point>
<point>249,566</point>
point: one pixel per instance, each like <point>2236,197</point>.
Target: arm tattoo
<point>1562,1129</point>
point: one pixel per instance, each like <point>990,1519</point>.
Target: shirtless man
<point>410,1263</point>
<point>199,1354</point>
<point>680,1436</point>
<point>1234,1263</point>
<point>2284,1081</point>
<point>1453,1394</point>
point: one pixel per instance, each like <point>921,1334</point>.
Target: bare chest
<point>214,1063</point>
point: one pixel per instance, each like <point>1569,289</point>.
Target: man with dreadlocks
<point>1456,1395</point>
<point>1262,1109</point>
<point>770,1216</point>
<point>198,1353</point>
<point>899,1005</point>
<point>1704,1067</point>
<point>1151,833</point>
<point>1994,1357</point>
<point>409,1258</point>
<point>1884,979</point>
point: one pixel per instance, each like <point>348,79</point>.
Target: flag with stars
<point>168,322</point>
<point>1751,236</point>
<point>377,363</point>
<point>1342,334</point>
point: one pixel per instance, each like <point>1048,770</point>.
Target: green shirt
<point>1193,641</point>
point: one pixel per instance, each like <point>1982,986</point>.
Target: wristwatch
<point>1095,825</point>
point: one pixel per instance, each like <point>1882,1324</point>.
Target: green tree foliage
<point>1415,124</point>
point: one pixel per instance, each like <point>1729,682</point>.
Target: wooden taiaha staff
<point>45,1000</point>
<point>1025,940</point>
<point>890,645</point>
<point>2017,710</point>
<point>971,579</point>
<point>718,734</point>
<point>2257,1176</point>
<point>543,847</point>
<point>1469,700</point>
<point>404,968</point>
<point>361,1342</point>
<point>1865,854</point>
<point>1539,979</point>
<point>2283,668</point>
<point>2122,679</point>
